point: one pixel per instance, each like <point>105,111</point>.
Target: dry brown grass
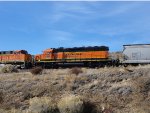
<point>141,97</point>
<point>71,104</point>
<point>42,105</point>
<point>99,87</point>
<point>8,69</point>
<point>11,111</point>
<point>1,97</point>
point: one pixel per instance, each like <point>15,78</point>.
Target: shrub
<point>76,70</point>
<point>8,69</point>
<point>36,70</point>
<point>1,97</point>
<point>71,104</point>
<point>3,111</point>
<point>11,111</point>
<point>142,85</point>
<point>90,107</point>
<point>42,105</point>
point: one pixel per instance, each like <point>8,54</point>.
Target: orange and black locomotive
<point>87,56</point>
<point>20,58</point>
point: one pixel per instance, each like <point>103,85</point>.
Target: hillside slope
<point>116,89</point>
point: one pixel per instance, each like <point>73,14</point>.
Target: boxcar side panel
<point>136,54</point>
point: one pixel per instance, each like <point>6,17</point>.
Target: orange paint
<point>16,56</point>
<point>50,55</point>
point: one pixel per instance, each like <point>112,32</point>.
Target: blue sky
<point>35,26</point>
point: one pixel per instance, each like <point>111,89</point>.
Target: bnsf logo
<point>74,54</point>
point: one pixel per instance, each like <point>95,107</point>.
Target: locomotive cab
<point>48,53</point>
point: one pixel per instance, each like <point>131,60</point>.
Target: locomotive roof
<point>90,48</point>
<point>12,52</point>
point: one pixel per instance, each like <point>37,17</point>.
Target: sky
<point>35,26</point>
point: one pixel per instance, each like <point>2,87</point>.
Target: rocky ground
<point>103,90</point>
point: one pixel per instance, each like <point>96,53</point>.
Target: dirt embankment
<point>104,90</point>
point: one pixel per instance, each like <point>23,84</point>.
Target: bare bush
<point>36,70</point>
<point>142,85</point>
<point>42,105</point>
<point>1,97</point>
<point>8,69</point>
<point>76,70</point>
<point>71,104</point>
<point>73,82</point>
<point>4,111</point>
